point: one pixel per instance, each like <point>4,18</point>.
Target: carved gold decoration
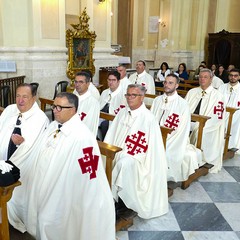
<point>80,43</point>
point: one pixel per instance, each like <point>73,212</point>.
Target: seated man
<point>207,101</point>
<point>20,126</point>
<point>143,78</point>
<point>88,107</point>
<point>173,111</point>
<point>139,176</point>
<point>70,197</point>
<point>231,93</point>
<point>124,81</point>
<point>111,100</point>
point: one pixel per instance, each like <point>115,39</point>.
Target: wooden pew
<point>203,170</point>
<point>109,151</point>
<point>44,102</point>
<point>229,153</point>
<point>5,196</point>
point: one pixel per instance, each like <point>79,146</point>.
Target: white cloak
<point>139,174</point>
<point>70,197</point>
<point>213,132</point>
<point>182,157</point>
<point>233,101</point>
<point>124,82</point>
<point>217,82</point>
<point>146,80</point>
<point>88,110</point>
<point>117,101</point>
<point>94,91</point>
<point>33,123</point>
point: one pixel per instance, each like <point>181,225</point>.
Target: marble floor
<point>209,209</point>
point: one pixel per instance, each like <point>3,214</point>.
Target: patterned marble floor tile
<point>210,235</point>
<point>166,222</point>
<point>231,212</point>
<point>223,192</point>
<point>232,162</point>
<point>199,217</point>
<point>234,172</point>
<point>122,235</point>
<point>155,235</point>
<point>238,234</point>
<point>195,193</point>
<point>222,176</point>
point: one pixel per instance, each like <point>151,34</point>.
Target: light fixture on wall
<point>161,22</point>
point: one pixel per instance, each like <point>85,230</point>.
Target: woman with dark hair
<point>222,73</point>
<point>182,72</point>
<point>162,73</point>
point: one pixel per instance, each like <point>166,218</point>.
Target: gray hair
<point>142,89</point>
<point>207,70</point>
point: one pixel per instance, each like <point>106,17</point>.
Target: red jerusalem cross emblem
<point>172,121</point>
<point>118,109</point>
<point>219,110</point>
<point>136,143</point>
<point>82,115</point>
<point>89,163</point>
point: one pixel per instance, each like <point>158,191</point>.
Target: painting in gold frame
<point>80,43</point>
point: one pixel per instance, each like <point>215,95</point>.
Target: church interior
<point>36,46</point>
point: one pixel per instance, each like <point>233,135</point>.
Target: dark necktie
<point>17,130</point>
<point>106,106</point>
<point>136,81</point>
<point>197,109</point>
<point>58,130</point>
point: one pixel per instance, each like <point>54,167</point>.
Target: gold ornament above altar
<point>80,43</point>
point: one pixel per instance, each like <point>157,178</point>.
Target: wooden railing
<point>13,82</point>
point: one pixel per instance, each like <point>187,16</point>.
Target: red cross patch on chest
<point>82,115</point>
<point>136,143</point>
<point>89,163</point>
<point>172,121</point>
<point>218,110</point>
<point>238,104</point>
<point>118,109</point>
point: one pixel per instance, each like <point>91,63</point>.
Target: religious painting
<point>80,43</point>
<point>81,51</point>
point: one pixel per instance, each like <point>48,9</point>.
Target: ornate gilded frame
<point>80,43</point>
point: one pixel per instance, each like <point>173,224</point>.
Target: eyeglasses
<point>132,95</point>
<point>59,108</point>
<point>233,75</point>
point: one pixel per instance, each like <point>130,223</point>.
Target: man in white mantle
<point>139,176</point>
<point>143,78</point>
<point>89,107</point>
<point>69,197</point>
<point>212,105</point>
<point>231,93</point>
<point>172,111</point>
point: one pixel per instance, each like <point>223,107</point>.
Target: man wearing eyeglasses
<point>89,107</point>
<point>111,100</point>
<point>69,193</point>
<point>231,93</point>
<point>207,101</point>
<point>172,111</point>
<point>139,177</point>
